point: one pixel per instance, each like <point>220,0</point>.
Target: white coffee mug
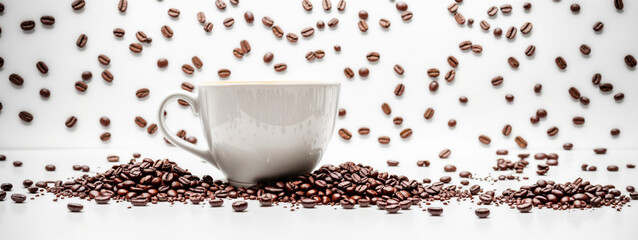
<point>256,131</point>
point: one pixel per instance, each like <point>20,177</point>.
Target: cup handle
<point>193,103</point>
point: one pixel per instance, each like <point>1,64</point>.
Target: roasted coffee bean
<point>484,25</point>
<point>600,151</point>
<point>306,203</point>
<point>498,80</point>
<point>433,72</point>
<point>216,202</point>
<point>521,142</point>
<point>384,23</point>
<point>234,2</point>
<point>574,93</point>
<point>529,51</point>
<point>399,89</point>
<point>118,32</point>
<point>615,132</point>
<point>541,113</point>
<point>307,32</point>
<point>451,123</point>
<point>307,5</point>
<point>319,53</point>
<point>71,121</point>
<point>560,62</point>
<point>341,6</point>
<point>45,93</point>
<point>406,16</point>
<point>228,22</point>
<point>104,121</point>
<point>492,11</point>
<point>81,42</point>
<point>513,62</point>
<point>373,56</point>
<point>392,163</point>
<point>452,8</point>
<point>345,134</point>
<point>342,112</point>
<point>406,133</point>
<point>220,4</point>
<point>534,119</point>
<point>280,67</point>
<point>122,5</point>
<point>152,129</point>
<point>348,72</point>
<point>103,59</point>
<point>526,28</point>
<point>524,207</point>
<point>6,186</point>
<point>463,99</point>
<point>429,113</point>
<point>27,25</point>
<point>612,168</point>
<point>596,78</point>
<point>453,61</point>
<point>384,140</point>
<point>223,73</point>
<point>78,4</point>
<point>506,8</point>
<point>188,69</point>
<point>619,96</point>
<point>450,75</point>
<point>27,183</point>
<point>630,61</point>
<point>397,120</point>
<point>606,87</point>
<point>619,4</point>
<point>292,37</point>
<point>201,17</point>
<point>81,86</point>
<point>16,79</point>
<point>208,27</point>
<point>25,116</point>
<point>509,98</point>
<point>459,18</point>
<point>267,21</point>
<point>277,31</point>
<point>107,76</point>
<point>449,168</point>
<point>477,48</point>
<point>363,25</point>
<point>198,62</point>
<point>433,86</point>
<point>363,14</point>
<point>47,20</point>
<point>598,26</point>
<point>445,153</point>
<point>578,120</point>
<point>364,131</point>
<point>321,24</point>
<point>401,6</point>
<point>498,32</point>
<point>1,59</point>
<point>135,47</point>
<point>173,12</point>
<point>337,48</point>
<point>482,212</point>
<point>484,139</point>
<point>584,100</point>
<point>141,36</point>
<point>585,49</point>
<point>139,201</point>
<point>17,163</point>
<point>552,131</point>
<point>435,211</point>
<point>333,22</point>
<point>326,4</point>
<point>363,72</point>
<point>167,31</point>
<point>240,206</point>
<point>142,93</point>
<point>538,88</point>
<point>18,198</point>
<point>386,108</point>
<point>575,8</point>
<point>465,45</point>
<point>105,136</point>
<point>113,158</point>
<point>49,167</point>
<point>511,33</point>
<point>268,57</point>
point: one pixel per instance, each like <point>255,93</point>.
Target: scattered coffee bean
<point>277,31</point>
<point>228,22</point>
<point>521,142</point>
<point>307,5</point>
<point>267,21</point>
<point>511,33</point>
<point>363,25</point>
<point>223,73</point>
<point>81,86</point>
<point>585,49</point>
<point>142,93</point>
<point>392,163</point>
<point>103,59</point>
<point>485,139</point>
<point>280,67</point>
<point>151,129</point>
<point>118,32</point>
<point>575,8</point>
<point>630,61</point>
<point>492,11</point>
<point>364,131</point>
<point>615,132</point>
<point>598,26</point>
<point>49,167</point>
<point>560,62</point>
<point>173,12</point>
<point>498,32</point>
<point>105,136</point>
<point>458,17</point>
<point>188,69</point>
<point>25,116</point>
<point>71,121</point>
<point>406,16</point>
<point>78,4</point>
<point>406,133</point>
<point>135,47</point>
<point>345,134</point>
<point>482,212</point>
<point>47,20</point>
<point>435,211</point>
<point>384,23</point>
<point>526,28</point>
<point>363,14</point>
<point>167,31</point>
<point>240,206</point>
<point>384,140</point>
<point>107,76</point>
<point>600,150</point>
<point>429,113</point>
<point>27,25</point>
<point>574,93</point>
<point>16,79</point>
<point>18,198</point>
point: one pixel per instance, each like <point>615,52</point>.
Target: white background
<point>424,42</point>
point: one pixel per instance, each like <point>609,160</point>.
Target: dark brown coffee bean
<point>277,31</point>
<point>541,113</point>
<point>363,14</point>
<point>506,8</point>
<point>575,8</point>
<point>498,32</point>
<point>140,121</point>
<point>600,151</point>
<point>81,86</point>
<point>25,116</point>
<point>485,139</point>
<point>234,2</point>
<point>364,131</point>
<point>373,56</point>
<point>482,212</point>
<point>319,53</point>
<point>511,33</point>
<point>458,17</point>
<point>292,37</point>
<point>139,201</point>
<point>142,93</point>
<point>429,113</point>
<point>268,57</point>
<point>220,4</point>
<point>585,49</point>
<point>477,48</point>
<point>492,11</point>
<point>135,47</point>
<point>384,140</point>
<point>341,6</point>
<point>397,120</point>
<point>529,51</point>
<point>307,32</point>
<point>521,142</point>
<point>267,21</point>
<point>345,134</point>
<point>615,132</point>
<point>619,96</point>
<point>630,61</point>
<point>228,22</point>
<point>568,146</point>
<point>167,31</point>
<point>453,61</point>
<point>321,24</point>
<point>392,163</point>
<point>162,63</point>
<point>384,23</point>
<point>16,79</point>
<point>509,98</point>
<point>17,163</point>
<point>223,73</point>
<point>578,120</point>
<point>619,4</point>
<point>141,36</point>
<point>498,80</point>
<point>465,45</point>
<point>406,16</point>
<point>385,107</point>
<point>445,153</point>
<point>152,128</point>
<point>560,62</point>
<point>406,133</point>
<point>526,28</point>
<point>584,100</point>
<point>363,25</point>
<point>433,72</point>
<point>433,86</point>
<point>280,67</point>
<point>337,48</point>
<point>18,198</point>
<point>363,72</point>
<point>78,4</point>
<point>348,72</point>
<point>606,87</point>
<point>208,27</point>
<point>122,5</point>
<point>307,5</point>
<point>1,59</point>
<point>173,12</point>
<point>342,112</point>
<point>107,76</point>
<point>538,88</point>
<point>71,121</point>
<point>27,25</point>
<point>47,20</point>
<point>49,167</point>
<point>42,67</point>
<point>45,93</point>
<point>326,4</point>
<point>552,131</point>
<point>484,25</point>
<point>75,207</point>
<point>188,69</point>
<point>574,93</point>
<point>513,62</point>
<point>105,136</point>
<point>598,26</point>
<point>103,59</point>
<point>118,32</point>
<point>104,121</point>
<point>399,89</point>
<point>596,78</point>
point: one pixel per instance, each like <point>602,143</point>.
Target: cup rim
<point>267,83</point>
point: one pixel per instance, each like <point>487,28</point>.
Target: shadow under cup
<point>257,131</point>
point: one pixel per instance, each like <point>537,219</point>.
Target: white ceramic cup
<point>256,131</point>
